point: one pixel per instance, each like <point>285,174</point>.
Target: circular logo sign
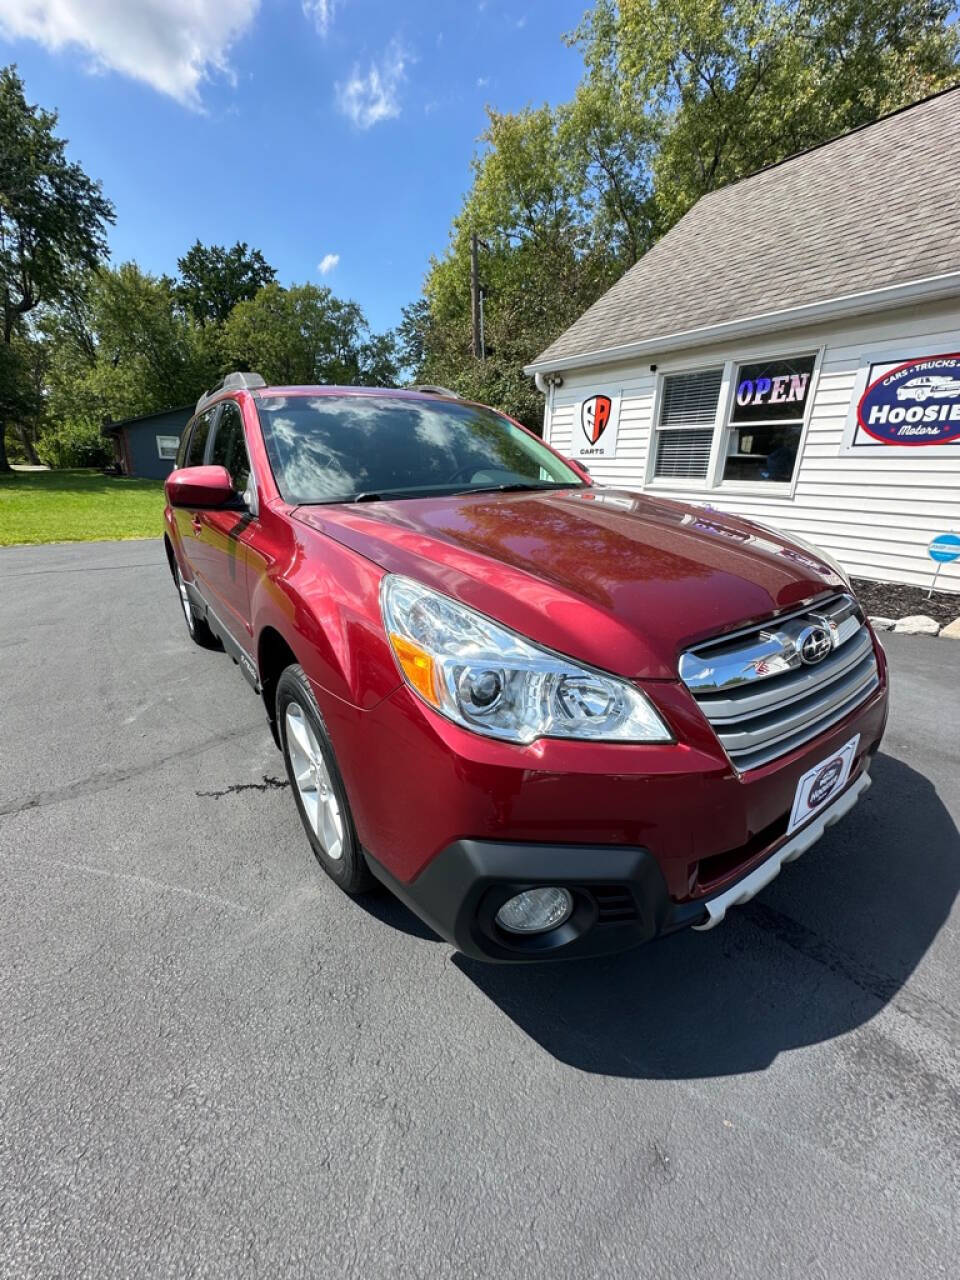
<point>824,782</point>
<point>814,643</point>
<point>944,548</point>
<point>916,403</point>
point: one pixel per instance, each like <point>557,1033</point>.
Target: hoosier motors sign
<point>915,403</point>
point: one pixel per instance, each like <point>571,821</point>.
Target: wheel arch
<point>274,655</point>
<point>171,555</point>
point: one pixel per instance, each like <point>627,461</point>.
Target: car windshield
<point>361,448</point>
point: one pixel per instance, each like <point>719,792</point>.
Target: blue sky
<point>312,129</point>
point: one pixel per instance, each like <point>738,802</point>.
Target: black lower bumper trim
<point>461,890</point>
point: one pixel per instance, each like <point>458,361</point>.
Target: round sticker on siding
<point>916,403</point>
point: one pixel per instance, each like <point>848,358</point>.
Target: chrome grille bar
<point>770,688</point>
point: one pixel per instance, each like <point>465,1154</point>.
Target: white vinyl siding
<point>875,510</point>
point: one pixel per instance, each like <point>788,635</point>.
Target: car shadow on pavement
<point>820,952</point>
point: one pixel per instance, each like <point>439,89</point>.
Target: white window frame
<point>168,457</point>
<point>714,482</point>
<point>650,479</point>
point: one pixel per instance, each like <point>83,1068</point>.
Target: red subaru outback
<point>555,719</point>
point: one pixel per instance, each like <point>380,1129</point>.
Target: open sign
<point>772,391</point>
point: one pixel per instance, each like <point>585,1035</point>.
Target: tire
<point>320,796</point>
<point>200,632</point>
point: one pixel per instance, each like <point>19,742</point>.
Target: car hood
<point>617,579</point>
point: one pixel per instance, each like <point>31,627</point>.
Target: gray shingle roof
<point>874,208</point>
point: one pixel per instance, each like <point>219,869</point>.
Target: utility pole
<point>475,295</point>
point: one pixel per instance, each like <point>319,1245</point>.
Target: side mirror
<point>200,487</point>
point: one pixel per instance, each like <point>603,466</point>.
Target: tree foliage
<point>305,334</point>
<point>52,223</point>
<point>213,279</point>
<point>678,97</point>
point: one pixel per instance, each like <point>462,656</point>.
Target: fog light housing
<point>536,910</point>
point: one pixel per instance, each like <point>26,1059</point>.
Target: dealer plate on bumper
<point>830,811</point>
<point>819,785</point>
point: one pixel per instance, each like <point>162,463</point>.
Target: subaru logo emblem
<point>813,644</point>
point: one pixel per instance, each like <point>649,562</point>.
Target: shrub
<point>75,444</point>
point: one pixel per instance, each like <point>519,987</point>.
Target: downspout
<point>546,388</point>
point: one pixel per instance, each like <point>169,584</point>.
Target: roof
<point>109,428</point>
<point>872,209</point>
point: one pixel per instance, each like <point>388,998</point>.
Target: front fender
<point>324,602</point>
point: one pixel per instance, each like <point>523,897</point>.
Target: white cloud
<point>482,82</point>
<point>368,99</point>
<point>172,45</point>
<point>321,13</point>
<point>328,262</point>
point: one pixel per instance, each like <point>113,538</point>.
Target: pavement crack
<point>89,568</point>
<point>127,877</point>
<point>882,987</point>
<point>108,778</point>
<point>268,784</point>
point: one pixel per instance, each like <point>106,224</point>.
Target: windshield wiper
<point>518,487</point>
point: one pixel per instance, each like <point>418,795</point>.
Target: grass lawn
<point>77,506</point>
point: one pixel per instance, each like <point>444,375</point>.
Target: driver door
<point>225,534</point>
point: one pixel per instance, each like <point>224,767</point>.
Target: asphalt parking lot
<point>212,1063</point>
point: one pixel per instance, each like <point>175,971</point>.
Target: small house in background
<point>790,351</point>
<point>147,446</point>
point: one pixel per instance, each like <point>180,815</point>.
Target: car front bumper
<point>620,895</point>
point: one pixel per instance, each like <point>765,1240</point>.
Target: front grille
<point>764,698</point>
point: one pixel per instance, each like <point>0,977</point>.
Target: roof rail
<point>433,390</point>
<point>231,382</point>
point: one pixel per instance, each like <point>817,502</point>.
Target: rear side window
<point>229,448</point>
<point>198,441</point>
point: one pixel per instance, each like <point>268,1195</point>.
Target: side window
<point>198,441</point>
<point>229,449</point>
<point>184,443</point>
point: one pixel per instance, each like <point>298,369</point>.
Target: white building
<point>789,351</point>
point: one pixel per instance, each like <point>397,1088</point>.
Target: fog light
<point>536,910</point>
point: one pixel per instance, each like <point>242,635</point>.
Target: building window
<point>767,408</point>
<point>688,414</point>
<point>167,447</point>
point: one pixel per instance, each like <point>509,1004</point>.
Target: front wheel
<point>316,784</point>
<point>200,632</point>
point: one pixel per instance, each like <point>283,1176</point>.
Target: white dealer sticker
<point>822,783</point>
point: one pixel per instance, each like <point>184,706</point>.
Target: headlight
<point>491,680</point>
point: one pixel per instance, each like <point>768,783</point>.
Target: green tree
<point>214,279</point>
<point>678,97</point>
<point>545,256</point>
<point>303,335</point>
<point>728,86</point>
<point>52,221</point>
<point>119,347</point>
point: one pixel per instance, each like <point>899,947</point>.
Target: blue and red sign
<point>915,403</point>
